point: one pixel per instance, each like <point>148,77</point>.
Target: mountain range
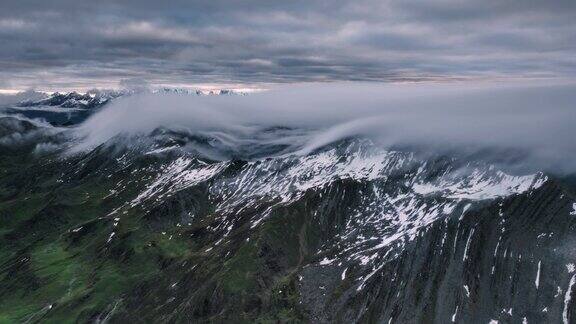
<point>160,228</point>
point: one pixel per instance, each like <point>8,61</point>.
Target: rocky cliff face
<point>348,233</point>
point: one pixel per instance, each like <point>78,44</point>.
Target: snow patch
<point>481,185</point>
<point>326,261</point>
<point>567,299</point>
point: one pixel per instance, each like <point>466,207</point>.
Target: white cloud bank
<point>537,119</point>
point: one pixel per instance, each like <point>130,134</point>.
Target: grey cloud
<point>66,42</point>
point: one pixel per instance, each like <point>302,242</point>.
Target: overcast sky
<point>62,44</point>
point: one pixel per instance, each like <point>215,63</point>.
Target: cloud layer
<point>534,121</point>
<point>71,43</point>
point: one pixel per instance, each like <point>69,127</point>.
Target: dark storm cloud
<point>75,43</point>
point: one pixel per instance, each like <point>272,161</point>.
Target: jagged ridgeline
<point>180,227</point>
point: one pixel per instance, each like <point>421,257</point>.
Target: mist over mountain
<point>530,118</point>
<point>339,202</point>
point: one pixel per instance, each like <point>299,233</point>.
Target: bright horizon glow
<point>252,88</point>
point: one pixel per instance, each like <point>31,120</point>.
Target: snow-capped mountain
<point>63,109</point>
<point>73,100</point>
<point>96,98</point>
<point>198,92</point>
<point>132,216</point>
<point>69,108</point>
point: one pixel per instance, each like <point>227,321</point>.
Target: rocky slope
<point>157,231</point>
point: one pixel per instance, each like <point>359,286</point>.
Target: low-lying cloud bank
<point>536,119</point>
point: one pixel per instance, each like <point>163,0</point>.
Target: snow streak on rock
<point>567,299</point>
<point>400,194</point>
<point>180,174</point>
<point>481,184</point>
